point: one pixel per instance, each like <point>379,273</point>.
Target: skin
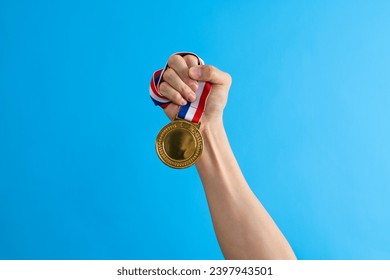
<point>243,227</point>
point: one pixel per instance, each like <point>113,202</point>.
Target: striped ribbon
<point>192,111</point>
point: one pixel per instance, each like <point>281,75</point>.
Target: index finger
<point>192,60</point>
<point>179,64</point>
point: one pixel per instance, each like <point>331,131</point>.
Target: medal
<point>179,144</point>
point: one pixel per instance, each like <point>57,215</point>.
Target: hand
<point>180,83</point>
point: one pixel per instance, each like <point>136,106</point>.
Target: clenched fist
<point>180,82</point>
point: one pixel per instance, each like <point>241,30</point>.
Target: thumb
<point>208,73</point>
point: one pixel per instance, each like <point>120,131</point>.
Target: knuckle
<point>168,74</point>
<point>210,71</point>
<point>173,59</point>
<point>211,67</point>
<point>163,87</point>
<point>190,59</point>
<point>184,89</point>
<point>177,97</point>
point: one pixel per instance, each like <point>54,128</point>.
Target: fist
<point>180,82</point>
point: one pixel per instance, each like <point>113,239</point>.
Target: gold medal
<point>179,144</point>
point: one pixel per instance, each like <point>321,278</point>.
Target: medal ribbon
<point>192,111</point>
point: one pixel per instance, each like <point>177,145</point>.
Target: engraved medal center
<point>179,144</point>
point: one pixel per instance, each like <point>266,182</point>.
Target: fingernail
<point>191,97</point>
<point>194,86</point>
<point>195,72</point>
<point>183,102</point>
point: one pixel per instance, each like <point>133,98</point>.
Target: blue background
<point>308,118</point>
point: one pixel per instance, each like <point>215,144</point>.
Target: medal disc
<point>179,144</point>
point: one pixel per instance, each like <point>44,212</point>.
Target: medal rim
<point>193,129</point>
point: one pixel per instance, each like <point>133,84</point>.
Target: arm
<point>243,227</point>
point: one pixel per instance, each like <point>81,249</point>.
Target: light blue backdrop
<point>308,118</point>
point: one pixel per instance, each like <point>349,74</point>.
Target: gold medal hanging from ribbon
<point>179,144</point>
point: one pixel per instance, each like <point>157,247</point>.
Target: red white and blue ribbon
<point>192,111</point>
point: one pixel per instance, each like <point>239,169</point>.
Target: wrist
<point>214,136</point>
<point>209,125</point>
<point>212,131</point>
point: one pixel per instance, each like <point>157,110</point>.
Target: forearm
<point>243,227</point>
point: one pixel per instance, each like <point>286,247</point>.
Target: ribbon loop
<point>192,111</point>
